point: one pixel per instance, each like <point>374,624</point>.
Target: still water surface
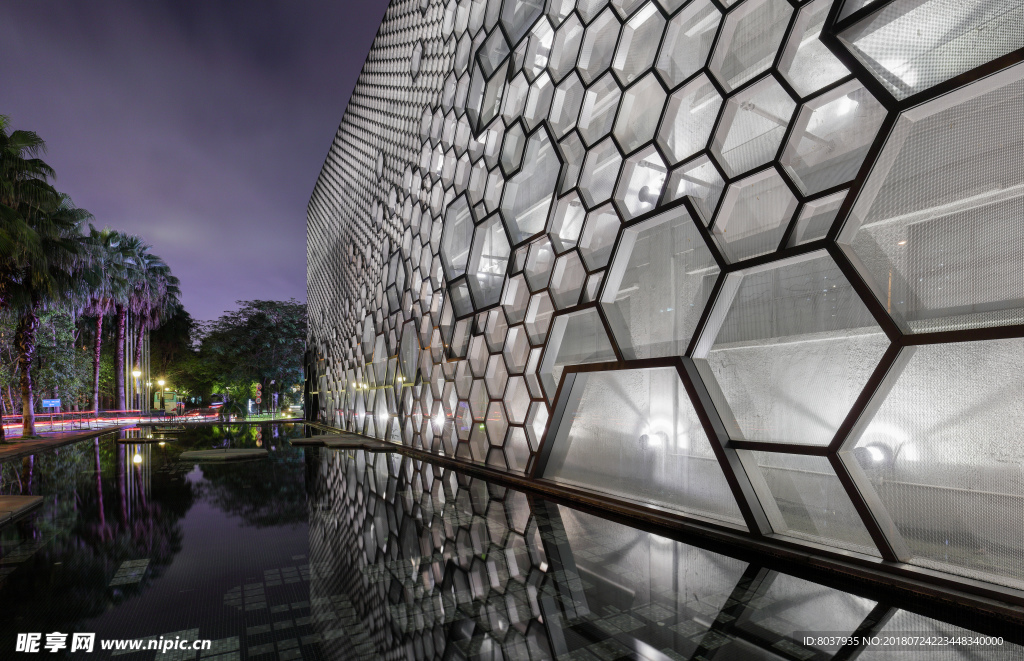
<point>330,554</point>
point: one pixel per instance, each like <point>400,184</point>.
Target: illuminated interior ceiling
<point>756,263</point>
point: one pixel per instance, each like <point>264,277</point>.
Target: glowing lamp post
<point>137,373</point>
<point>161,383</point>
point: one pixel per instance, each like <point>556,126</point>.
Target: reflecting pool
<point>310,553</point>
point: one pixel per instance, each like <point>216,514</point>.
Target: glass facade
<point>756,263</point>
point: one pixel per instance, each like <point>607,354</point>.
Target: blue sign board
<point>51,403</point>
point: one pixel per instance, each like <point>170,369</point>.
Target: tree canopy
<point>260,342</point>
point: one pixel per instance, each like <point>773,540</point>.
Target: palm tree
<point>38,245</point>
<point>47,276</point>
<point>155,298</point>
<point>136,250</point>
<point>110,259</point>
<point>23,187</point>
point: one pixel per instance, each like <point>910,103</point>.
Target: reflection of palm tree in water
<point>104,532</point>
<point>72,548</point>
<point>28,465</point>
<point>122,486</point>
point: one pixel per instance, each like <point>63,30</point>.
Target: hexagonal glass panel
<point>567,280</point>
<point>566,47</point>
<point>478,400</point>
<point>518,16</point>
<point>539,264</point>
<point>458,293</point>
<point>911,47</point>
<point>536,423</point>
<point>538,317</point>
<point>517,450</point>
<point>496,376</point>
<point>936,230</point>
<point>494,188</point>
<point>408,354</point>
<point>573,151</point>
<point>538,104</point>
<point>599,105</point>
<point>488,262</point>
<point>566,104</point>
<point>592,287</point>
<point>816,218</point>
<point>938,455</point>
<point>456,238</point>
<point>754,216</point>
<point>599,232</point>
<point>750,38</point>
<point>515,98</point>
<point>806,63</point>
<point>512,149</point>
<point>658,286</point>
<point>626,7</point>
<point>517,400</point>
<point>415,59</point>
<point>537,53</point>
<point>477,357</point>
<point>638,44</point>
<point>641,182</point>
<point>688,41</point>
<point>477,183</point>
<point>528,194</point>
<point>517,349</point>
<point>567,223</point>
<point>752,127</point>
<point>492,53</point>
<point>588,8</point>
<point>600,171</point>
<point>485,89</point>
<point>639,113</point>
<point>807,501</point>
<point>558,10</point>
<point>787,350</point>
<point>515,299</point>
<point>831,137</point>
<point>635,435</point>
<point>598,46</point>
<point>577,338</point>
<point>494,331</point>
<point>689,119</point>
<point>701,182</point>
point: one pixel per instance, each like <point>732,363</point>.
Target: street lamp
<point>137,373</point>
<point>161,383</point>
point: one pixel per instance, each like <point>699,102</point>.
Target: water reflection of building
<point>412,561</point>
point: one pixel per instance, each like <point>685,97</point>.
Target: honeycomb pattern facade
<point>753,242</point>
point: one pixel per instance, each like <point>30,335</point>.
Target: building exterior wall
<point>757,263</point>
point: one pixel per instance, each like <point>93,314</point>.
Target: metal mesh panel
<point>911,47</point>
<point>944,455</point>
<point>811,501</point>
<point>935,229</point>
<point>635,436</point>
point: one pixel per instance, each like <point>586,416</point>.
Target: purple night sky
<point>199,125</point>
